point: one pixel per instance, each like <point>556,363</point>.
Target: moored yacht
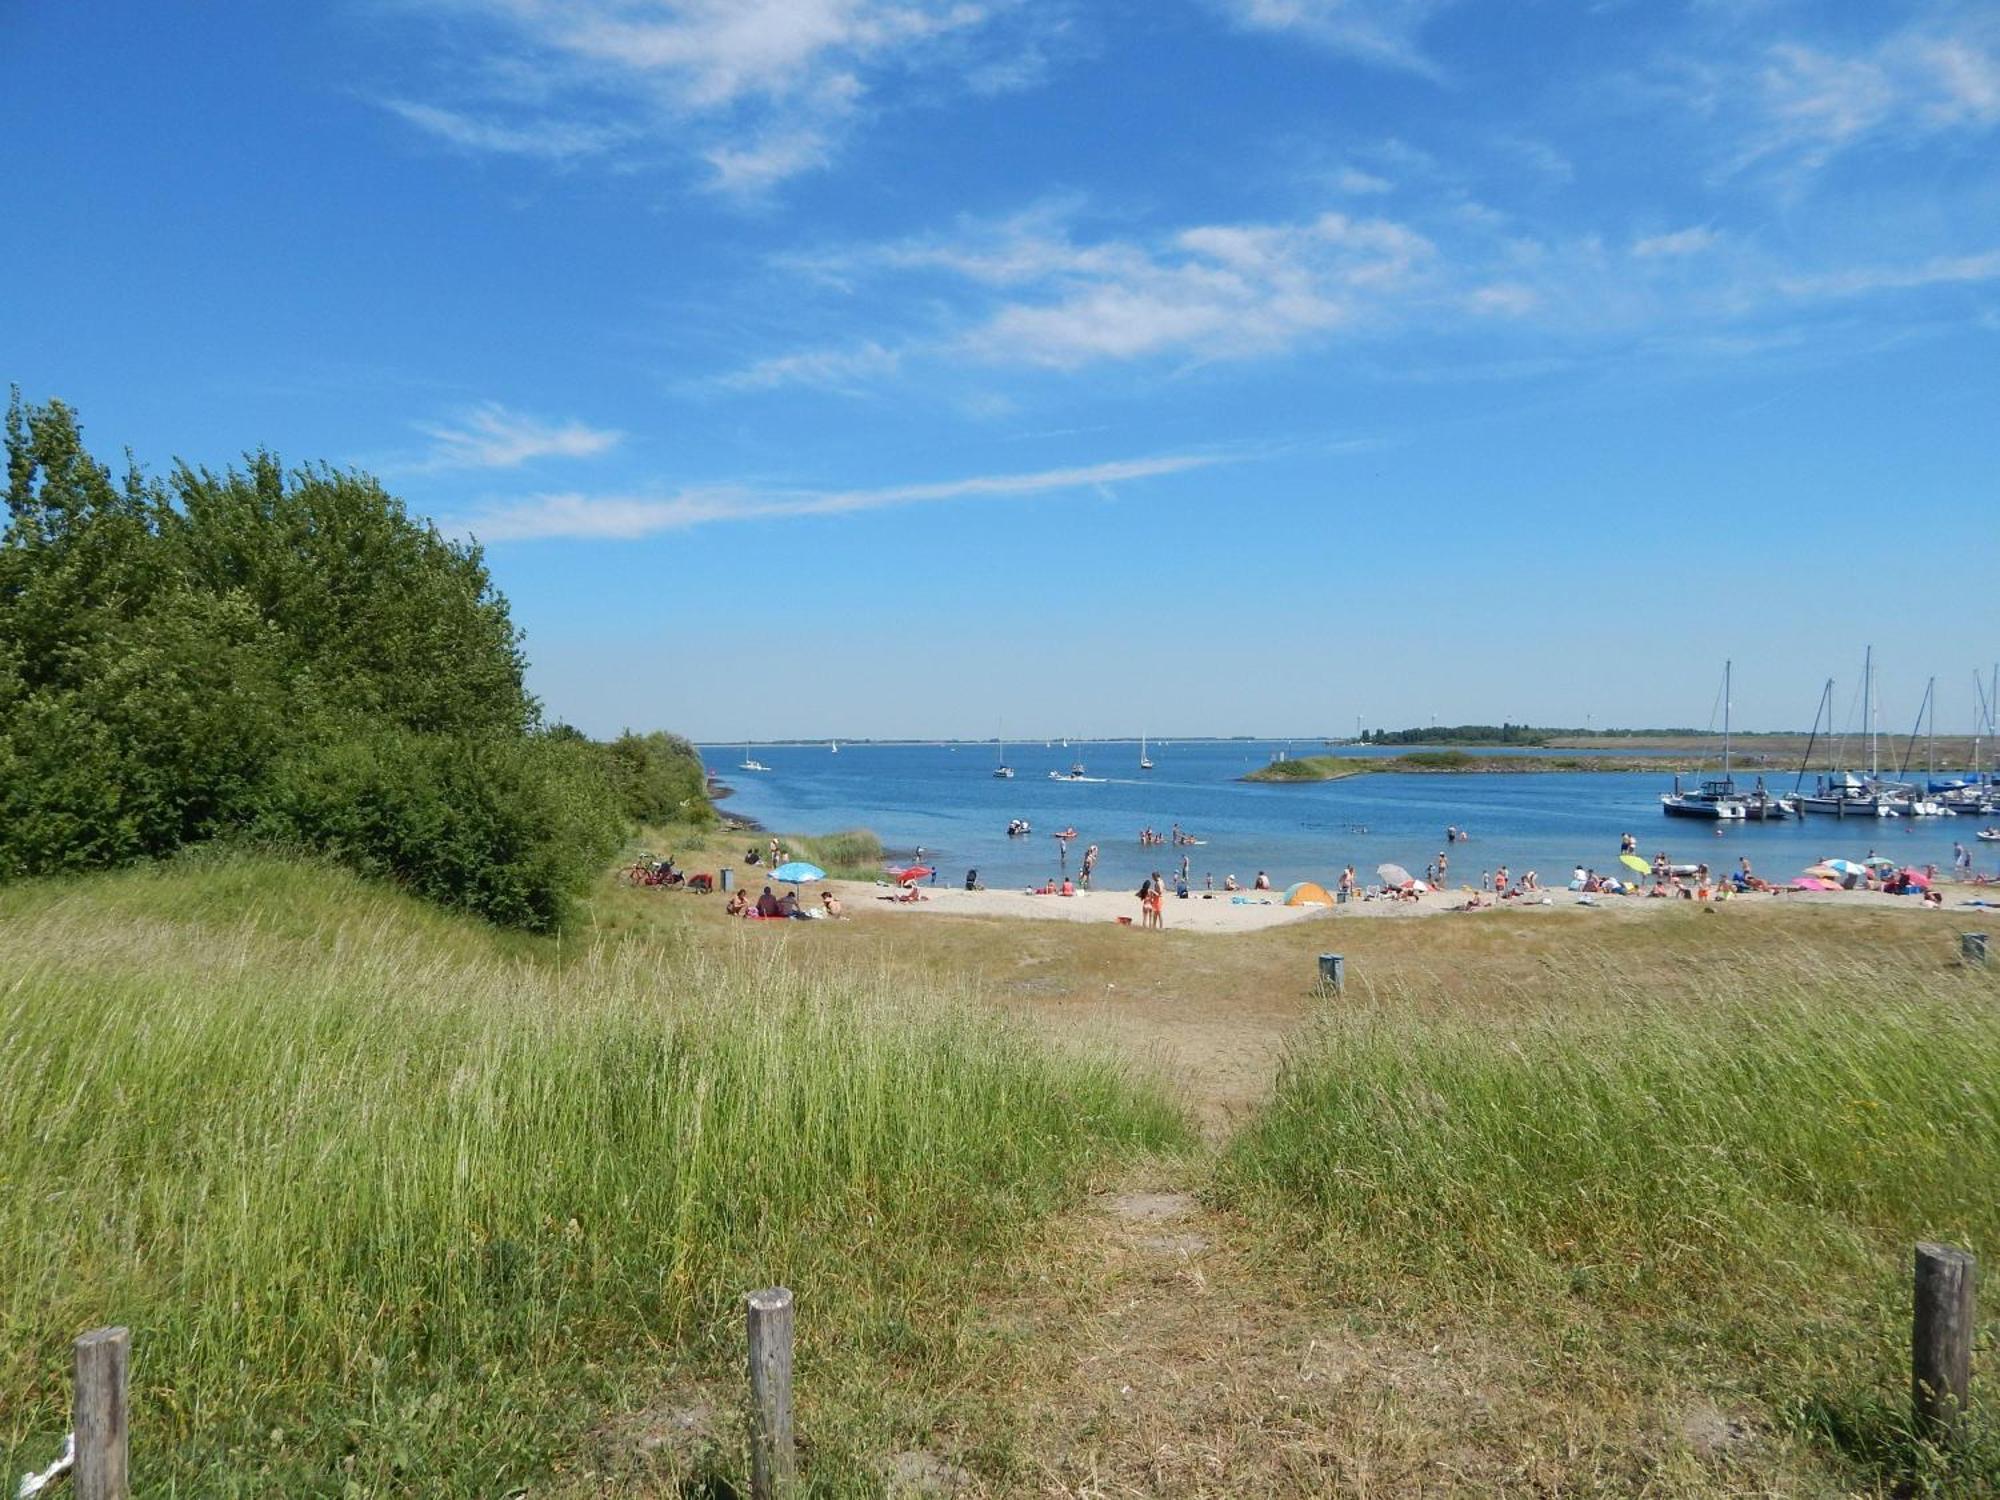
<point>1846,795</point>
<point>1715,800</point>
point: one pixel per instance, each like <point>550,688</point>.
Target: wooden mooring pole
<point>102,1439</point>
<point>1941,1340</point>
<point>773,1454</point>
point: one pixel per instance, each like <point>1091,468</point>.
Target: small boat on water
<point>1714,800</point>
<point>1846,795</point>
<point>833,747</point>
<point>1843,793</point>
<point>750,762</point>
<point>1990,835</point>
<point>1018,828</point>
<point>1145,761</point>
<point>1003,771</point>
<point>1717,799</point>
<point>1074,773</point>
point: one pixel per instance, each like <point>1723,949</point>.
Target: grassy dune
<point>1719,1174</point>
<point>394,1205</point>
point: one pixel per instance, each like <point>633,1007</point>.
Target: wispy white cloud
<point>491,436</point>
<point>1690,241</point>
<point>630,516</point>
<point>758,90</point>
<point>1803,103</point>
<point>1385,32</point>
<point>1951,270</point>
<point>1354,180</point>
<point>550,140</point>
<point>1207,292</point>
<point>830,369</point>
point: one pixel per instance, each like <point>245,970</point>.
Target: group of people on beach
<point>770,906</point>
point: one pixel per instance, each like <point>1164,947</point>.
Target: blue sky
<point>903,366</point>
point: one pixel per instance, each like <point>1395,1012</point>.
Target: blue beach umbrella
<point>797,872</point>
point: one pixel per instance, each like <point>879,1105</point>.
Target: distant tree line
<point>285,656</point>
<point>1504,734</point>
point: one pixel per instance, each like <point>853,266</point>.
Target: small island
<point>1458,762</point>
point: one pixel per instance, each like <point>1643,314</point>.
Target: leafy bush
<point>503,826</point>
<point>659,778</point>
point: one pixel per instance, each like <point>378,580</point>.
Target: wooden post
<point>773,1457</point>
<point>1941,1340</point>
<point>100,1416</point>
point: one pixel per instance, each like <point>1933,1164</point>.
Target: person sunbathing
<point>831,904</point>
<point>767,904</point>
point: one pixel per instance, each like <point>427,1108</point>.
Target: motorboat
<point>1074,773</point>
<point>1990,835</point>
<point>1018,828</point>
<point>1716,800</point>
<point>1761,806</point>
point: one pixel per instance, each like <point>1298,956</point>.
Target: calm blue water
<point>946,800</point>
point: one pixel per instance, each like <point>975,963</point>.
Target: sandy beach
<point>1253,911</point>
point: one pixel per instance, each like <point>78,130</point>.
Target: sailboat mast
<point>1930,740</point>
<point>1726,665</point>
<point>1824,711</point>
<point>1868,709</point>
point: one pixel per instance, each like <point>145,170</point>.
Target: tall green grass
<point>1737,1168</point>
<point>393,1210</point>
<point>853,854</point>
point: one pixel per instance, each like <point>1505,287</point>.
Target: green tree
<point>287,653</point>
<point>658,778</point>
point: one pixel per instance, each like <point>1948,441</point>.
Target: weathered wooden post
<point>102,1357</point>
<point>773,1456</point>
<point>1941,1340</point>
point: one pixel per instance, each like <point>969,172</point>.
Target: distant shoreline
<point>1315,768</point>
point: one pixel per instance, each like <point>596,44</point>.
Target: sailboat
<point>750,762</point>
<point>833,747</point>
<point>1922,804</point>
<point>1003,771</point>
<point>1844,794</point>
<point>1145,760</point>
<point>1716,800</point>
